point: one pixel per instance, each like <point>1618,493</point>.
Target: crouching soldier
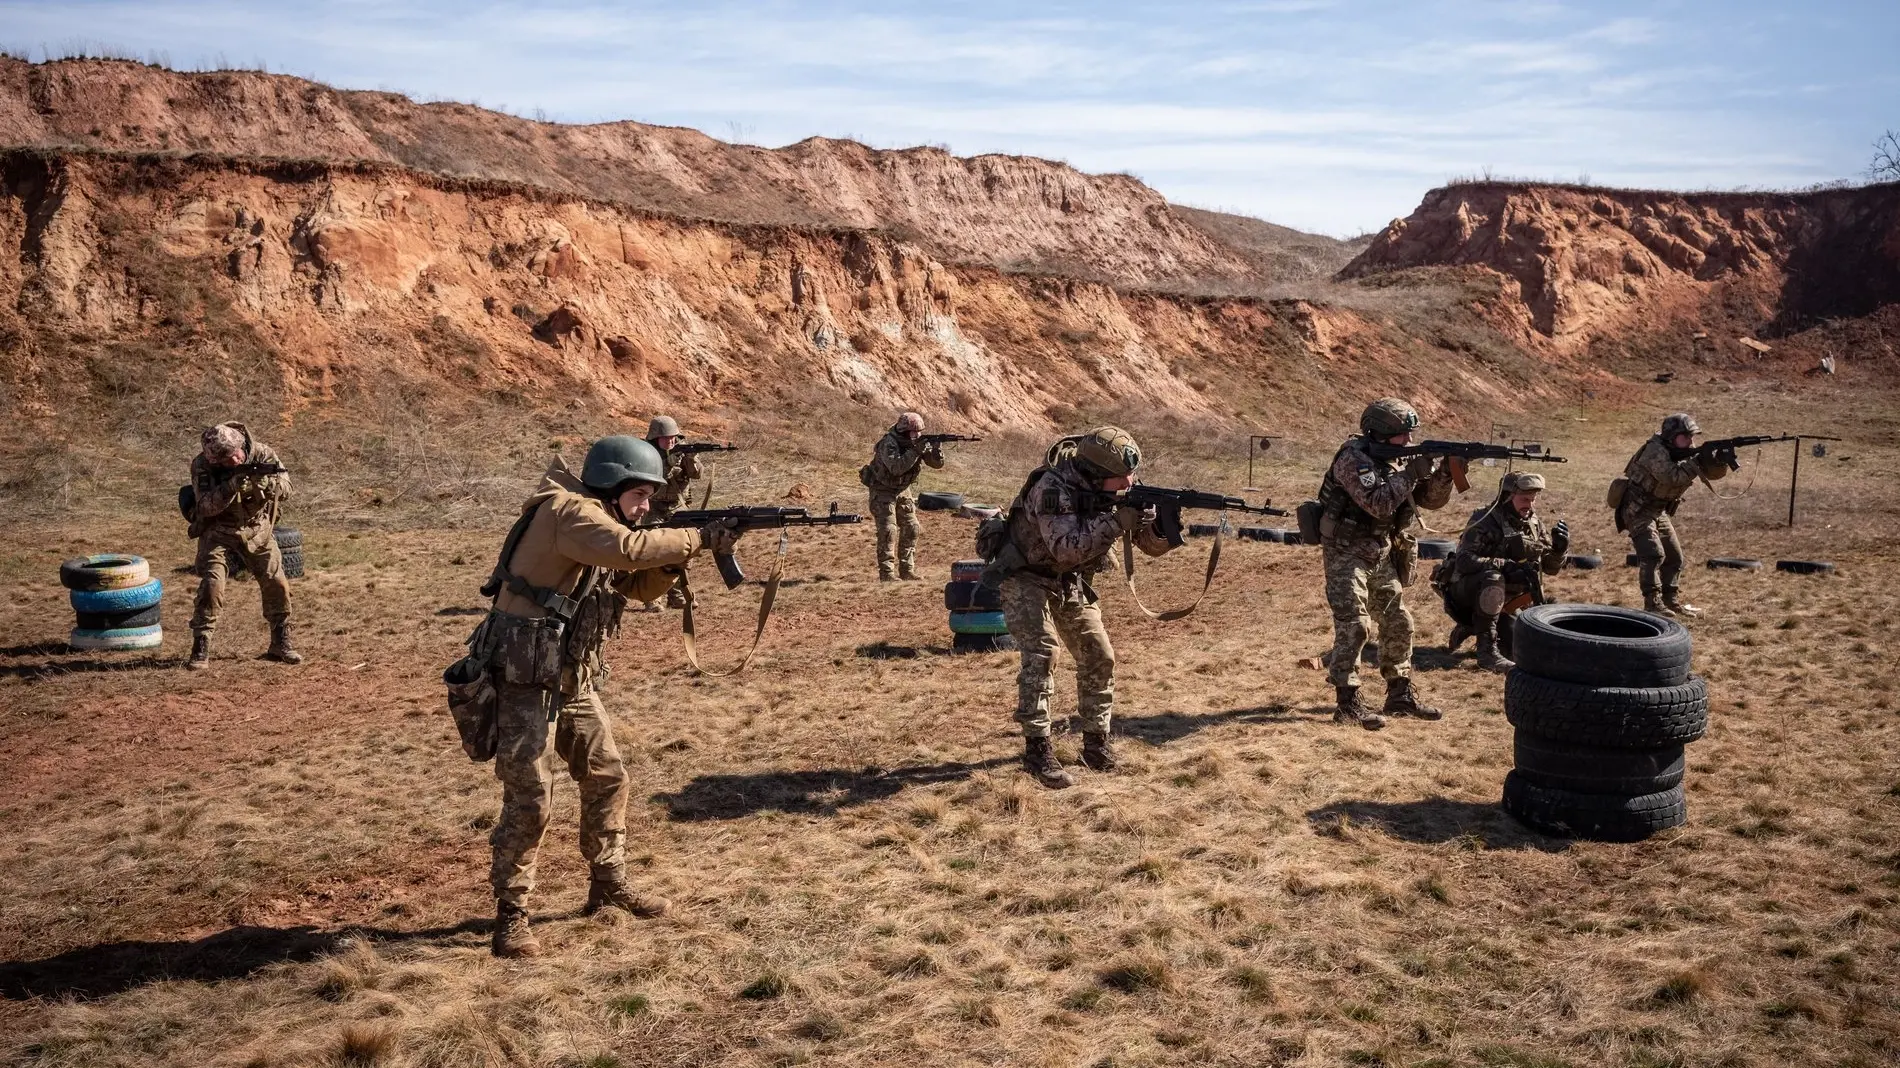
<point>238,490</point>
<point>1498,561</point>
<point>1045,551</point>
<point>564,575</point>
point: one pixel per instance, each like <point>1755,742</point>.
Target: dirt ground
<point>264,865</point>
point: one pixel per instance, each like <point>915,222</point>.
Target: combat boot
<point>200,652</point>
<point>513,937</point>
<point>910,574</point>
<point>1672,600</point>
<point>1401,701</point>
<point>1097,753</point>
<point>1459,635</point>
<point>885,574</point>
<point>1489,658</point>
<point>614,893</point>
<point>280,649</point>
<point>1353,710</point>
<point>1039,759</point>
<point>676,598</point>
<point>1653,604</point>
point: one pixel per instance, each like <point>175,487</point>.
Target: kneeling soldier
<point>1496,563</point>
<point>1060,529</point>
<point>563,578</point>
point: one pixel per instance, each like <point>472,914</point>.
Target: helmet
<point>663,426</point>
<point>1388,418</point>
<point>1107,452</point>
<point>1521,482</point>
<point>613,462</point>
<point>1679,423</point>
<point>908,421</point>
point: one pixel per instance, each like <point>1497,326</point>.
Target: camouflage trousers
<point>1658,553</point>
<point>899,509</point>
<point>216,549</point>
<point>1038,618</point>
<point>524,762</point>
<point>1361,596</point>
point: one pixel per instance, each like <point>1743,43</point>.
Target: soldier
<point>663,433</point>
<point>1654,481</point>
<point>560,584</point>
<point>1490,566</point>
<point>1367,507</point>
<point>1059,531</point>
<point>895,464</point>
<point>234,514</point>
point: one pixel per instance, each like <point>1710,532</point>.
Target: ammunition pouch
<point>1618,489</point>
<point>992,534</point>
<point>473,702</point>
<point>527,652</point>
<point>1007,561</point>
<point>864,476</point>
<point>1308,516</point>
<point>596,620</point>
<point>1404,558</point>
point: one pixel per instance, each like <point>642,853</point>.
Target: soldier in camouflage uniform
<point>1059,531</point>
<point>1367,507</point>
<point>663,433</point>
<point>895,464</point>
<point>1654,481</point>
<point>562,580</point>
<point>1489,568</point>
<point>234,516</point>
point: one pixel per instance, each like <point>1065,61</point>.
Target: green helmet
<point>613,462</point>
<point>663,426</point>
<point>1679,423</point>
<point>1108,452</point>
<point>1388,418</point>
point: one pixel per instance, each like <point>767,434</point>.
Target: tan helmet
<point>1521,482</point>
<point>663,426</point>
<point>222,442</point>
<point>1388,417</point>
<point>1679,423</point>
<point>908,421</point>
<point>1107,452</point>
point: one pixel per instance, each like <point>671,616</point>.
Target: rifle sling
<point>551,600</point>
<point>1128,571</point>
<point>687,629</point>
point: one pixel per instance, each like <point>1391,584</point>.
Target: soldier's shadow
<point>1174,726</point>
<point>55,658</point>
<point>1433,821</point>
<point>822,792</point>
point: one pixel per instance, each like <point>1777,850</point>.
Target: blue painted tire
<point>977,623</point>
<point>117,641</point>
<point>130,599</point>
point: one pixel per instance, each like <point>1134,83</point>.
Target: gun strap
<point>687,628</point>
<point>1128,571</point>
<point>706,498</point>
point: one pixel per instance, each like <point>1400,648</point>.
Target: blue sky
<point>1328,115</point>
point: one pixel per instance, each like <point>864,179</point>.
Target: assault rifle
<point>939,439</point>
<point>754,517</point>
<point>1723,449</point>
<point>693,448</point>
<point>1168,504</point>
<point>251,470</point>
<point>1461,453</point>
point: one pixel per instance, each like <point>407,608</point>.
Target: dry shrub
<point>365,1043</point>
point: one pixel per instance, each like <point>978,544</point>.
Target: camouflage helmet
<point>613,462</point>
<point>663,426</point>
<point>1521,482</point>
<point>1388,417</point>
<point>1107,452</point>
<point>908,421</point>
<point>1679,423</point>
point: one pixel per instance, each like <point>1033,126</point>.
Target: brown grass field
<point>262,865</point>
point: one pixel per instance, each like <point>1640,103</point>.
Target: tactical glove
<point>1560,538</point>
<point>719,536</point>
<point>1131,519</point>
<point>1419,468</point>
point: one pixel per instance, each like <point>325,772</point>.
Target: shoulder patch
<point>1368,477</point>
<point>1051,500</point>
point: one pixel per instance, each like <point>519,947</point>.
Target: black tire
<point>293,562</point>
<point>1602,817</point>
<point>1203,530</point>
<point>939,502</point>
<point>1506,628</point>
<point>1252,533</point>
<point>1733,563</point>
<point>288,538</point>
<point>133,619</point>
<point>1597,645</point>
<point>1585,769</point>
<point>1584,561</point>
<point>982,643</point>
<point>966,570</point>
<point>1436,548</point>
<point>972,597</point>
<point>1612,717</point>
<point>1804,567</point>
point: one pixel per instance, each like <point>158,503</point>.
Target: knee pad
<point>1491,600</point>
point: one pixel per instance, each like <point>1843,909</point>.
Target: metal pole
<point>1794,480</point>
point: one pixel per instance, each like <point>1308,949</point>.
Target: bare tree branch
<point>1886,164</point>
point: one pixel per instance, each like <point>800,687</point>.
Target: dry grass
<point>267,866</point>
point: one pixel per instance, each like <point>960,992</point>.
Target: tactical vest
<point>1341,517</point>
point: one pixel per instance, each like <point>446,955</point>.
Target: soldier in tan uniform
<point>1366,545</point>
<point>1057,536</point>
<point>663,433</point>
<point>234,515</point>
<point>1653,483</point>
<point>563,578</point>
<point>1488,570</point>
<point>895,464</point>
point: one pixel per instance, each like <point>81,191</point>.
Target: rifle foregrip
<point>729,572</point>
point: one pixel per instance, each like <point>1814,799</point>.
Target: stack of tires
<point>289,546</point>
<point>115,603</point>
<point>1603,703</point>
<point>976,611</point>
